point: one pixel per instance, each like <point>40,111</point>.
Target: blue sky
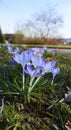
<point>17,11</point>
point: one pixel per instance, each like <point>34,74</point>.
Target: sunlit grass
<point>47,109</point>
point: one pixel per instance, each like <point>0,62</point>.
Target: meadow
<point>35,88</point>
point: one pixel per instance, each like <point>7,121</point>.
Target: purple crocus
<point>49,66</point>
<point>37,51</point>
<point>37,61</point>
<point>13,51</point>
<point>16,50</point>
<point>12,62</point>
<point>23,59</point>
<point>34,73</point>
<point>48,49</point>
<point>7,44</point>
<point>35,66</point>
<point>10,50</point>
<point>55,71</point>
<point>44,48</point>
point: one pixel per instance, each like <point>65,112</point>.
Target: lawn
<point>33,92</point>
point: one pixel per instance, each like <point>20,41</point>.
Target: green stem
<point>30,88</point>
<point>23,79</point>
<point>52,81</point>
<point>31,81</point>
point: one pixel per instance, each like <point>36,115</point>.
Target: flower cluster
<point>10,48</point>
<point>35,66</point>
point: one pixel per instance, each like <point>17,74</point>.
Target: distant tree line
<point>41,29</point>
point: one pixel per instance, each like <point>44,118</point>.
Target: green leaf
<point>54,125</point>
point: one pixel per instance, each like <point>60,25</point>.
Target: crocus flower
<point>44,48</point>
<point>16,50</point>
<point>35,66</point>
<point>48,49</point>
<point>37,61</point>
<point>23,59</point>
<point>7,44</point>
<point>37,51</point>
<point>34,73</point>
<point>12,62</point>
<point>49,66</point>
<point>55,71</point>
<point>10,50</point>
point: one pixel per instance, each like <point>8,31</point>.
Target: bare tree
<point>44,24</point>
<point>48,22</point>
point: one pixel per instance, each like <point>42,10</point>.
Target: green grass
<point>67,46</point>
<point>52,46</point>
<point>47,109</point>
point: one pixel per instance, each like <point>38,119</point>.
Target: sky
<point>13,12</point>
